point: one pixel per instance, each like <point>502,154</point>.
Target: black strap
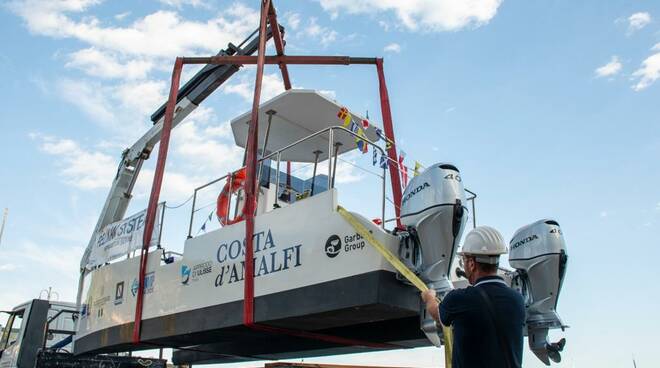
<point>504,346</point>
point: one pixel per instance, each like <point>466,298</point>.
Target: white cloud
<point>324,35</point>
<point>122,108</point>
<point>63,259</point>
<point>271,86</point>
<point>609,69</point>
<point>328,93</point>
<point>292,20</point>
<point>8,267</point>
<point>122,16</point>
<point>98,63</point>
<point>393,47</point>
<point>384,24</point>
<point>193,144</point>
<point>429,15</point>
<point>648,73</point>
<point>142,97</point>
<point>162,33</point>
<point>89,97</point>
<point>180,3</point>
<point>348,173</point>
<point>87,169</point>
<point>638,21</point>
<point>79,167</point>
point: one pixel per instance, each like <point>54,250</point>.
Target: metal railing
<point>333,151</point>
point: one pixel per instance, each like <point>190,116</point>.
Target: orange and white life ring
<point>236,180</point>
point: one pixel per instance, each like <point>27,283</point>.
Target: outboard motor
<point>433,210</point>
<point>538,253</point>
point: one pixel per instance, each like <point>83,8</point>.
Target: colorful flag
<point>383,162</point>
<point>343,112</point>
<point>374,160</point>
<point>417,167</point>
<point>402,169</point>
<point>404,176</point>
<point>354,128</point>
<point>362,145</point>
<point>348,120</point>
<point>380,134</point>
<point>365,123</point>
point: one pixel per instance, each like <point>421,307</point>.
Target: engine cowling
<point>434,205</point>
<point>538,253</point>
<point>433,209</point>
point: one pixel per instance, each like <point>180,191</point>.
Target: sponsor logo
<point>201,269</point>
<point>119,293</point>
<point>524,241</point>
<point>149,280</point>
<point>333,246</point>
<point>185,274</point>
<point>353,242</point>
<point>555,230</point>
<point>415,191</point>
<point>196,272</point>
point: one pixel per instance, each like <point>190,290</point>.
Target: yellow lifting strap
<point>399,266</point>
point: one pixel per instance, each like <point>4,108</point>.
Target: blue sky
<point>547,107</point>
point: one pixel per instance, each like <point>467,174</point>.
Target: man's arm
<point>445,312</point>
<point>432,304</point>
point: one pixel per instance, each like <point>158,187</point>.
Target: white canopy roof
<point>298,114</point>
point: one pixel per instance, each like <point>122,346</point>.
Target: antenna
<point>49,293</point>
<point>4,220</point>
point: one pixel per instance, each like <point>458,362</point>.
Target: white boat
<point>320,288</point>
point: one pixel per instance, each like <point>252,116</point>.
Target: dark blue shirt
<point>475,340</point>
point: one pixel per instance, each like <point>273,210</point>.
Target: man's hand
<point>432,304</point>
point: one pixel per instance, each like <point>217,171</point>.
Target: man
<point>488,317</point>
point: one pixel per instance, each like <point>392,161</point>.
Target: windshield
<point>10,331</point>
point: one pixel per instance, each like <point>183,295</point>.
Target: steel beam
<point>286,59</point>
<point>155,194</point>
<point>389,134</point>
<point>250,182</point>
<point>278,39</point>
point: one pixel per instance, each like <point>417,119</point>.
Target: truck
<point>39,333</point>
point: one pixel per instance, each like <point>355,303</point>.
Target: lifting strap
<point>399,266</point>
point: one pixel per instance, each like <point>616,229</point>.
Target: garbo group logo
<point>333,246</point>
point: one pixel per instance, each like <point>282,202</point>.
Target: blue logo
<point>134,287</point>
<point>185,274</point>
<point>149,280</point>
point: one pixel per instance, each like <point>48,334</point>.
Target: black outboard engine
<point>538,253</point>
<point>433,209</point>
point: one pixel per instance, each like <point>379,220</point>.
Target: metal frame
<point>267,13</point>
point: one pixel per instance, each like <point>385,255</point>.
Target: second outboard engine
<point>433,209</point>
<point>538,253</point>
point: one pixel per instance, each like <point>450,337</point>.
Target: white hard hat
<point>485,243</point>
